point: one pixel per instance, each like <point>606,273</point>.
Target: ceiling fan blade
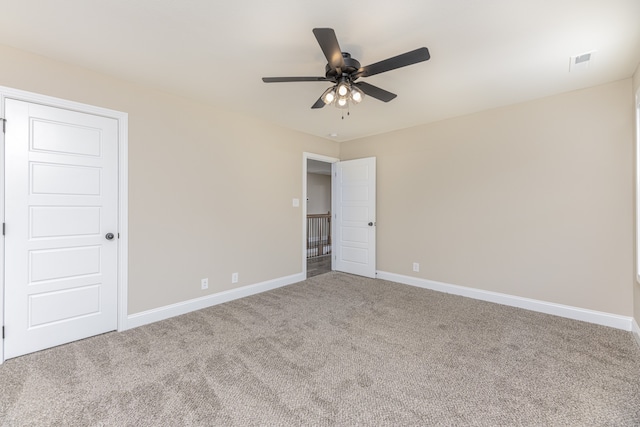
<point>319,103</point>
<point>329,44</point>
<point>375,92</point>
<point>409,58</point>
<point>293,79</point>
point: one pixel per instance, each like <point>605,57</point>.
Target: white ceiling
<point>484,54</point>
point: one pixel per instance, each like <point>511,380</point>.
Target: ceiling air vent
<point>581,62</point>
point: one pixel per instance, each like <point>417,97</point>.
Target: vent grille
<point>581,62</point>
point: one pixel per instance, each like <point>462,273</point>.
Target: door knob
<point>109,236</point>
<point>370,224</point>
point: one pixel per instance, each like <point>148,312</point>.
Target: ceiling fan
<point>343,71</point>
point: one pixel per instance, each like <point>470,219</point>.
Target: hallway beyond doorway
<point>318,265</point>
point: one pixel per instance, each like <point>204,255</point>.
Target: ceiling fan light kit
<point>342,94</point>
<point>343,71</point>
<point>329,95</point>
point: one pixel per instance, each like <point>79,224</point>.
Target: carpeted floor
<point>335,350</point>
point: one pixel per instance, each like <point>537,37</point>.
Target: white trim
<point>576,313</point>
<point>321,158</point>
<point>635,329</point>
<point>2,163</point>
<point>123,183</point>
<point>123,221</point>
<point>637,189</point>
<point>168,311</point>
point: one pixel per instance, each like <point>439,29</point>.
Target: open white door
<point>355,216</point>
<point>61,214</point>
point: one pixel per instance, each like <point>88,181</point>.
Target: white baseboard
<point>636,330</point>
<point>162,313</point>
<point>576,313</point>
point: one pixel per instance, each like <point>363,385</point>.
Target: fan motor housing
<point>350,66</point>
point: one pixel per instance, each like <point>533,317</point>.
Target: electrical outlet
<point>416,266</point>
<point>234,278</point>
<point>204,284</point>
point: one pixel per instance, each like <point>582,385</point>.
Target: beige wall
<point>203,202</point>
<point>533,200</point>
<point>318,193</point>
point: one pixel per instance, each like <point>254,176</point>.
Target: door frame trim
<point>123,185</point>
<point>321,158</point>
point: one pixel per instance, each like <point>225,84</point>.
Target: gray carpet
<point>335,350</point>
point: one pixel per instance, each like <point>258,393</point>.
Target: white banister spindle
<point>318,235</point>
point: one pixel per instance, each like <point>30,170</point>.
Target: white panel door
<point>61,192</point>
<point>355,222</point>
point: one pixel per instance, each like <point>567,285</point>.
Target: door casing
<point>122,118</point>
<point>319,157</point>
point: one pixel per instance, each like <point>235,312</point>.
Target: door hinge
<point>3,228</point>
<point>118,235</point>
<point>3,332</point>
<point>4,125</point>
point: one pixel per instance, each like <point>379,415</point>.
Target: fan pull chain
<point>348,112</point>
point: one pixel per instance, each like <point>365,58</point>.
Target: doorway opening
<point>318,217</point>
<point>352,217</point>
<point>318,227</point>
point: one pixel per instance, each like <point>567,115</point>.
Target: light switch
<point>296,203</point>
